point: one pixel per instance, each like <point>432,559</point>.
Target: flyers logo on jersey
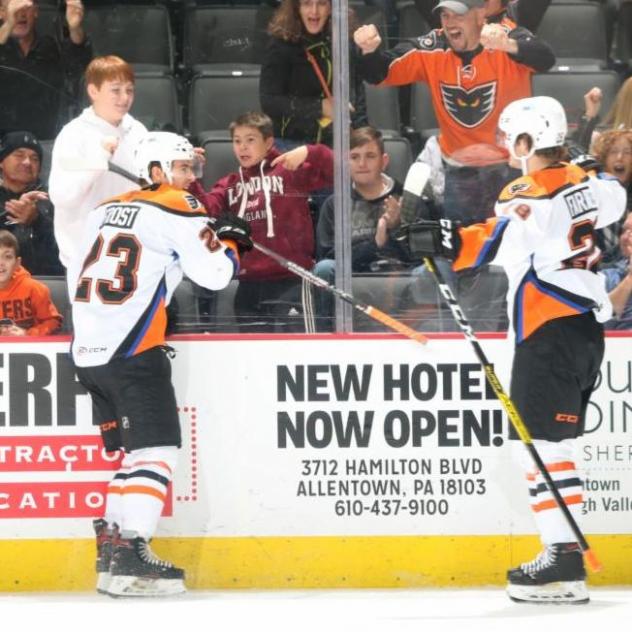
<point>428,41</point>
<point>469,108</point>
<point>519,187</point>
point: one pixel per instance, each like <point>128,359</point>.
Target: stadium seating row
<point>157,105</point>
<point>221,44</point>
<point>206,35</point>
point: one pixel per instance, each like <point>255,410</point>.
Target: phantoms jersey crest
<point>137,247</point>
<point>467,99</point>
<point>548,251</point>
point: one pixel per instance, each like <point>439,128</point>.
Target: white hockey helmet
<point>163,148</point>
<point>542,118</point>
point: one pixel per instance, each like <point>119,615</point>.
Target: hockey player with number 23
<point>136,250</point>
<point>544,236</point>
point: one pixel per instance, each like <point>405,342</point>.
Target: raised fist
<point>592,102</point>
<point>494,37</point>
<point>367,38</point>
<point>74,13</point>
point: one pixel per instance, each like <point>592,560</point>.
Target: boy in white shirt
<point>103,130</point>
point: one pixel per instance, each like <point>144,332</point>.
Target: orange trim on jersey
<point>474,239</point>
<point>562,466</point>
<point>171,199</point>
<point>551,504</point>
<point>155,333</point>
<point>161,464</point>
<point>558,177</point>
<point>543,184</point>
<point>114,489</point>
<point>232,244</point>
<point>467,100</point>
<point>538,307</point>
<point>143,489</point>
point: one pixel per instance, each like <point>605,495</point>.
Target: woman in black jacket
<point>297,72</point>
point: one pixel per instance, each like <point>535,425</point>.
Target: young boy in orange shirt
<point>26,308</point>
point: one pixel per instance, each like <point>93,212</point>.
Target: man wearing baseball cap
<point>473,69</point>
<point>460,6</point>
<point>527,13</point>
<point>25,209</point>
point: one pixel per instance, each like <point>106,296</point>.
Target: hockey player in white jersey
<point>134,256</point>
<point>544,236</point>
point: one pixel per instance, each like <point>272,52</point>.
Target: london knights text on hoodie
<point>274,201</point>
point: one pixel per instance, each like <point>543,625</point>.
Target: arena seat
<point>623,40</point>
<point>577,33</point>
<point>224,34</point>
<point>382,105</point>
<point>569,89</point>
<point>411,22</point>
<point>220,158</point>
<point>140,34</point>
<point>216,98</point>
<point>422,116</point>
<point>401,156</point>
<point>156,101</point>
<point>59,296</point>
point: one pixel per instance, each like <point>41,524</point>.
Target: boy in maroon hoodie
<point>25,305</point>
<point>271,192</point>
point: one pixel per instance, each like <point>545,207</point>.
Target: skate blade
<point>130,586</point>
<point>103,582</point>
<point>555,592</point>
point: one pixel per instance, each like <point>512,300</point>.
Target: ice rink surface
<point>437,610</point>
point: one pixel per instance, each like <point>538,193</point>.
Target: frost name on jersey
<point>253,185</point>
<point>580,201</point>
<point>120,215</point>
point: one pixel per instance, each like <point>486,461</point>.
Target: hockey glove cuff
<point>231,227</point>
<point>433,238</point>
<point>588,163</point>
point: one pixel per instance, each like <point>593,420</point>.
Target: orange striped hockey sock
<point>145,489</point>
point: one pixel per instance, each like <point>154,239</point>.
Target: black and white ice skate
<point>556,575</point>
<point>105,542</point>
<point>138,572</point>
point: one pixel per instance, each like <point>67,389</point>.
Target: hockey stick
<point>372,312</point>
<point>416,180</point>
<point>81,163</point>
<point>369,310</point>
<point>511,410</point>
